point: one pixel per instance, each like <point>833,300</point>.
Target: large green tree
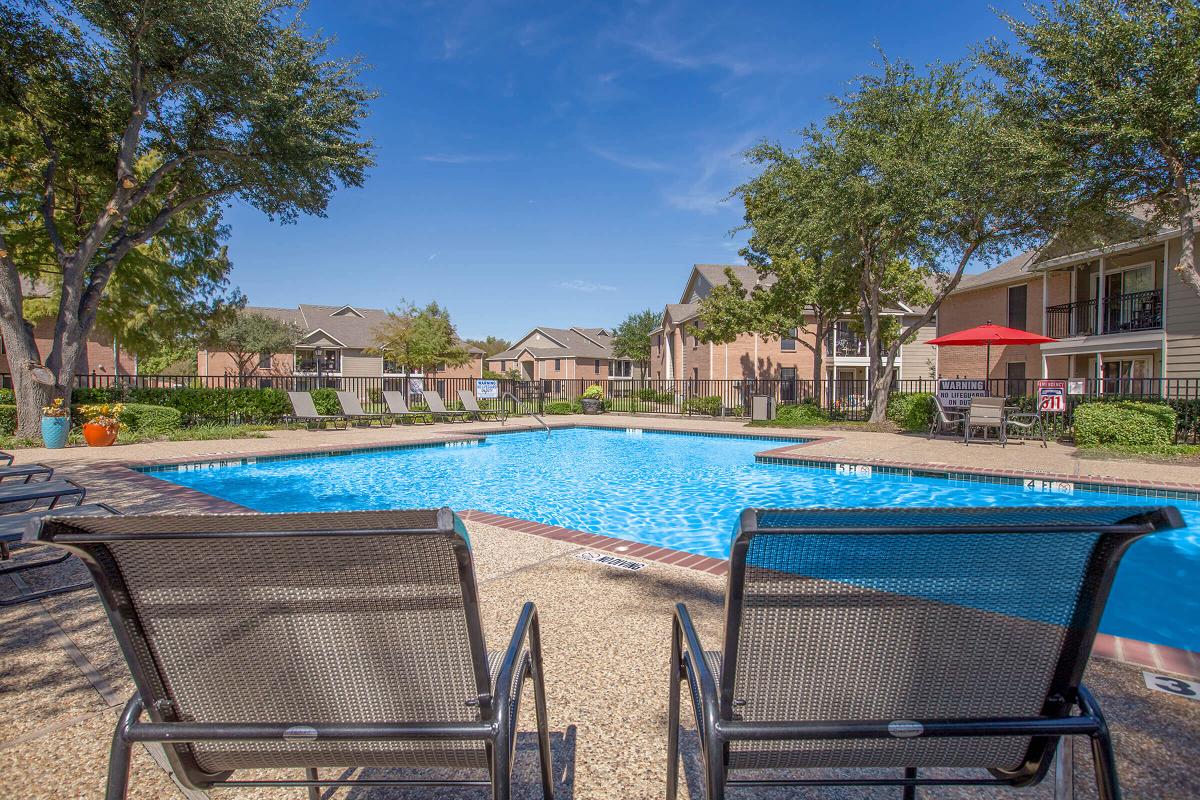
<point>631,339</point>
<point>248,334</point>
<point>419,339</point>
<point>913,177</point>
<point>490,345</point>
<point>803,285</point>
<point>1114,85</point>
<point>124,127</point>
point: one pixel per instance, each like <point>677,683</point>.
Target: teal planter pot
<point>55,430</point>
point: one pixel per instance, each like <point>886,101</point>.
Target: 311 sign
<point>1051,396</point>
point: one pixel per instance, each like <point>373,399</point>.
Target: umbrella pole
<point>987,368</point>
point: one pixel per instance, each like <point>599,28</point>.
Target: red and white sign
<point>1051,396</point>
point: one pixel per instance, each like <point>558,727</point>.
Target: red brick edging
<point>1130,651</point>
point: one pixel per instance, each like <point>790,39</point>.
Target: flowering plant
<point>106,414</point>
<point>56,409</point>
<point>593,392</point>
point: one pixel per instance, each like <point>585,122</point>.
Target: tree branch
<point>47,204</point>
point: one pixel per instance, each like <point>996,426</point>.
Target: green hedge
<point>151,419</point>
<point>710,405</point>
<point>8,419</point>
<point>1126,423</point>
<point>326,401</point>
<point>912,412</point>
<point>648,395</point>
<point>561,407</point>
<point>197,405</point>
<point>802,414</point>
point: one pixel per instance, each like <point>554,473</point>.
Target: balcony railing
<point>1136,311</point>
<point>848,345</point>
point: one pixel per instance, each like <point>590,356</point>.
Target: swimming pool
<point>683,492</point>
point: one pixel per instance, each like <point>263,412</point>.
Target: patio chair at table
<point>353,411</point>
<point>985,413</point>
<point>944,420</point>
<point>905,639</point>
<point>1025,422</point>
<point>438,408</point>
<point>398,408</point>
<point>13,528</point>
<point>306,641</point>
<point>471,405</point>
<point>305,410</point>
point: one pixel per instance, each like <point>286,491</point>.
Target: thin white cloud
<point>585,286</point>
<point>718,170</point>
<point>465,158</point>
<point>633,162</point>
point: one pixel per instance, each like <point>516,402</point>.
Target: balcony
<point>1136,311</point>
<point>849,345</point>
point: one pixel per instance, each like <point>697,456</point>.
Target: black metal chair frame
<point>944,418</point>
<point>1025,421</point>
<point>713,705</point>
<point>41,490</point>
<point>29,597</point>
<point>498,706</point>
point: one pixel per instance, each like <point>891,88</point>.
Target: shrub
<point>326,401</point>
<point>8,397</point>
<point>593,392</point>
<point>559,407</point>
<point>912,412</point>
<point>647,395</point>
<point>1126,423</point>
<point>8,419</point>
<point>151,419</point>
<point>802,414</point>
<point>198,405</point>
<point>708,404</point>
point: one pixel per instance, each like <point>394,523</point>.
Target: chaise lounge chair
<point>398,408</point>
<point>905,639</point>
<point>18,497</point>
<point>472,407</point>
<point>438,408</point>
<point>305,410</point>
<point>12,529</point>
<point>303,641</point>
<point>354,411</point>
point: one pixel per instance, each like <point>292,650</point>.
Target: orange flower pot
<point>98,435</point>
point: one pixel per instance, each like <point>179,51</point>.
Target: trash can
<point>762,407</point>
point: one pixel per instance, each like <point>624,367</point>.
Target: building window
<point>597,366</point>
<point>306,361</point>
<point>1018,297</point>
<point>391,367</point>
<point>1016,378</point>
<point>788,343</point>
<point>557,364</point>
<point>264,360</point>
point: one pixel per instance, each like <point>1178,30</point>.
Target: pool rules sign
<point>1051,396</point>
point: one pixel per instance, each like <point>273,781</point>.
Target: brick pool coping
<point>1131,651</point>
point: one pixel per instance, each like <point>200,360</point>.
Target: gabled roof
<point>565,343</point>
<point>333,326</point>
<point>706,276</point>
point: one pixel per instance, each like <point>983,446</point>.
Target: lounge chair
<point>354,411</point>
<point>305,410</point>
<point>438,408</point>
<point>13,527</point>
<point>905,639</point>
<point>472,407</point>
<point>6,458</point>
<point>944,420</point>
<point>301,641</point>
<point>18,497</point>
<point>985,412</point>
<point>398,408</point>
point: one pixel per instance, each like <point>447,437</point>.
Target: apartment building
<point>334,343</point>
<point>1118,311</point>
<point>678,354</point>
<point>563,354</point>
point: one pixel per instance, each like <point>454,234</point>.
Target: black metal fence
<point>841,400</point>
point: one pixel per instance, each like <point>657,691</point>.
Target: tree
<point>802,286</point>
<point>490,346</point>
<point>912,178</point>
<point>1114,85</point>
<point>250,333</point>
<point>419,339</point>
<point>124,126</point>
<point>631,339</point>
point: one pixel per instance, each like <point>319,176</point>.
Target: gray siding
<point>357,365</point>
<point>1183,323</point>
<point>918,359</point>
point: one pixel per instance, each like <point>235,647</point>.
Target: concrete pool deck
<point>606,630</point>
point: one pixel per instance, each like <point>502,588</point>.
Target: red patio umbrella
<point>989,334</point>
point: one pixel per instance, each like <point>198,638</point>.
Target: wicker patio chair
<point>438,408</point>
<point>472,407</point>
<point>304,641</point>
<point>904,639</point>
<point>12,529</point>
<point>354,411</point>
<point>398,408</point>
<point>305,410</point>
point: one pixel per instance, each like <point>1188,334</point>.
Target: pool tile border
<point>1130,651</point>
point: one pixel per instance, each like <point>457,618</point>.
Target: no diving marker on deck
<point>1171,685</point>
<point>611,561</point>
<point>857,470</point>
<point>1058,487</point>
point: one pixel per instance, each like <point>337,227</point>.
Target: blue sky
<point>566,163</point>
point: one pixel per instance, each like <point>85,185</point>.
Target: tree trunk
<point>1187,251</point>
<point>30,395</point>
<point>819,332</point>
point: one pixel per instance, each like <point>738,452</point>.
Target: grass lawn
<point>1158,453</point>
<point>886,426</point>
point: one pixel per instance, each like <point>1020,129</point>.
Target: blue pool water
<point>683,492</point>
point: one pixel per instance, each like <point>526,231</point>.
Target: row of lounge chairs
<point>304,410</point>
<point>29,493</point>
<point>894,639</point>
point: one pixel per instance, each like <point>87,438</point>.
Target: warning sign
<point>1051,396</point>
<point>955,393</point>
